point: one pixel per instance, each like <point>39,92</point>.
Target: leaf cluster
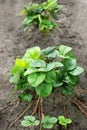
<point>43,71</point>
<point>47,121</point>
<point>41,15</point>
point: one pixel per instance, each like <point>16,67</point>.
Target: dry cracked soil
<point>14,41</point>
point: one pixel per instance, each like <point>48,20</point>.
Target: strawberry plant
<point>48,122</point>
<point>39,72</point>
<point>41,15</point>
<point>30,121</point>
<point>64,121</point>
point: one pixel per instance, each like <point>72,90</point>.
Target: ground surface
<point>14,42</point>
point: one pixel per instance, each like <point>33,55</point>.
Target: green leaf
<point>28,20</point>
<point>64,121</point>
<point>69,64</point>
<point>48,50</point>
<point>38,63</point>
<point>61,118</point>
<point>53,120</point>
<point>71,80</point>
<point>15,69</point>
<point>64,49</point>
<point>36,123</point>
<point>20,63</point>
<point>26,123</point>
<point>48,126</point>
<point>29,118</point>
<point>35,79</point>
<point>67,89</point>
<point>50,76</point>
<point>30,71</point>
<point>53,65</point>
<point>44,89</point>
<point>57,83</point>
<point>33,53</point>
<point>45,119</point>
<point>53,54</point>
<point>15,78</point>
<point>70,55</point>
<point>68,120</point>
<point>77,71</point>
<point>23,12</point>
<point>25,97</point>
<point>22,84</point>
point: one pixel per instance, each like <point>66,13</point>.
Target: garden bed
<point>13,43</point>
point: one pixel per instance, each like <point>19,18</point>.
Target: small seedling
<point>30,121</point>
<point>48,122</point>
<point>64,121</point>
<point>41,15</point>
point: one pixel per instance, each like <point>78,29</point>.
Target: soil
<point>14,41</point>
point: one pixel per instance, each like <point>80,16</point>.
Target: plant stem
<point>41,113</point>
<point>35,109</point>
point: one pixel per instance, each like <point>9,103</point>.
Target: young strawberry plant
<point>39,72</point>
<point>64,121</point>
<point>41,15</point>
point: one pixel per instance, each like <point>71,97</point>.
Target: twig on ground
<point>64,107</point>
<point>81,109</point>
<point>81,103</point>
<point>20,115</point>
<point>78,104</point>
<point>8,105</point>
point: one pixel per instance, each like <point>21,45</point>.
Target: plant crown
<point>42,71</point>
<point>41,15</point>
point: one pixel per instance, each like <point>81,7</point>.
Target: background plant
<point>41,15</point>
